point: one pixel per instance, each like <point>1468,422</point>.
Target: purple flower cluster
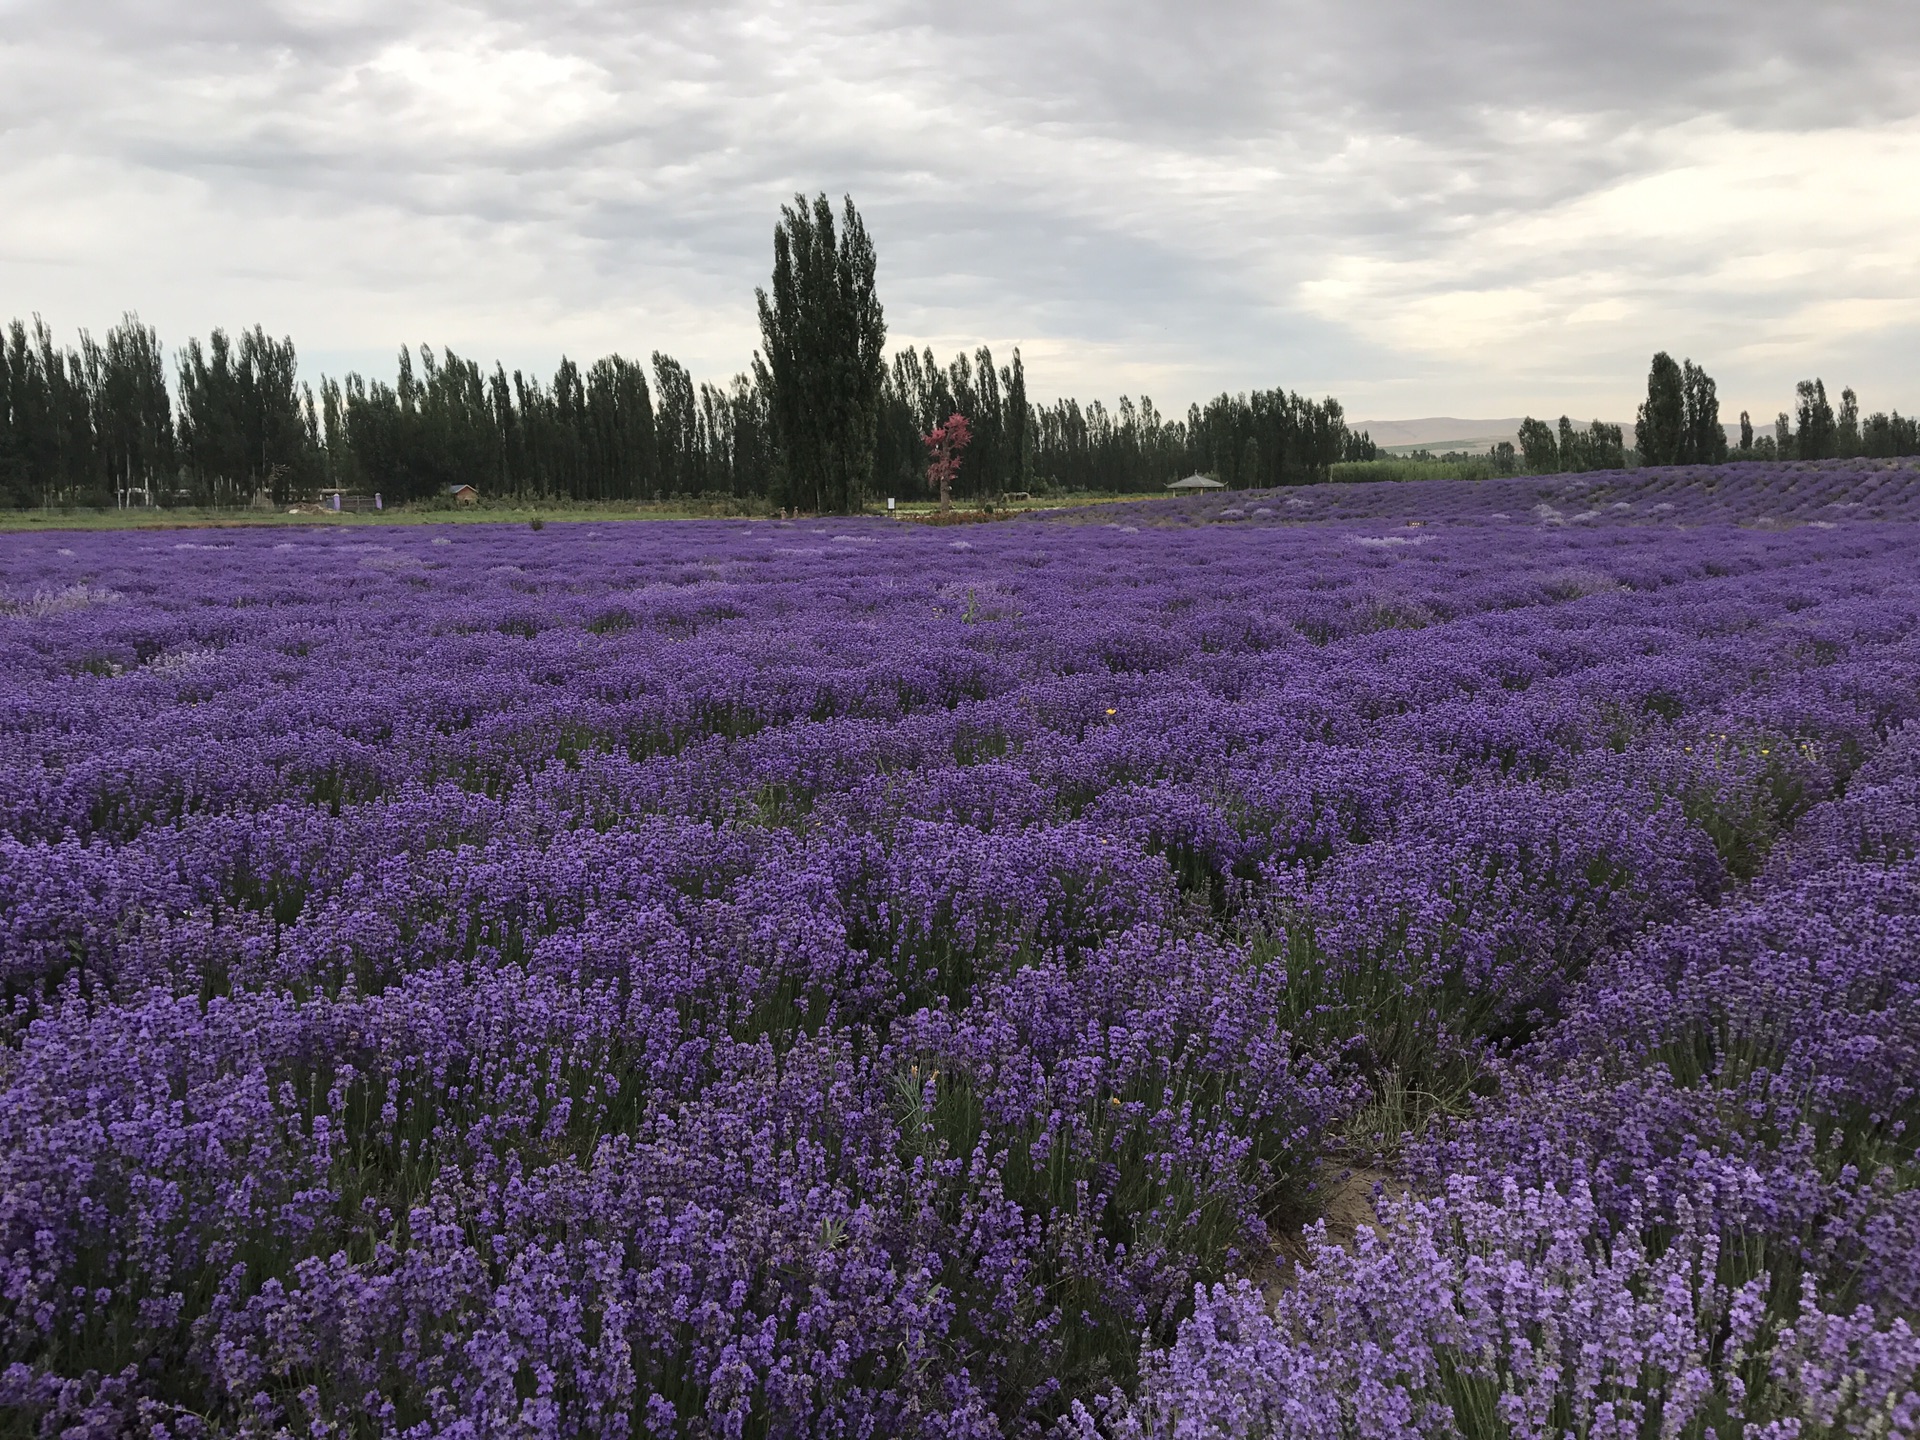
<point>1687,1206</point>
<point>838,979</point>
<point>1527,1314</point>
<point>1827,494</point>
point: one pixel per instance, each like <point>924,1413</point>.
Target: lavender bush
<point>839,979</point>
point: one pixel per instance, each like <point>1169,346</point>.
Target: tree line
<point>1679,424</point>
<point>100,426</point>
<point>1815,431</point>
<point>822,421</point>
<point>1544,448</point>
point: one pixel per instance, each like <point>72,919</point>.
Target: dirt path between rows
<point>1349,1205</point>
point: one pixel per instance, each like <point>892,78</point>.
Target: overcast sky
<point>1423,208</point>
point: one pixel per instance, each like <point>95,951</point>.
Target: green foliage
<point>1541,452</point>
<point>1703,440</point>
<point>1660,431</point>
<point>1883,436</point>
<point>1598,447</point>
<point>1818,433</point>
<point>85,427</point>
<point>1679,421</point>
<point>1848,429</point>
<point>95,427</point>
<point>824,337</point>
<point>243,428</point>
<point>1411,467</point>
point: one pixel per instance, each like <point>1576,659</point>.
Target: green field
<point>1403,469</point>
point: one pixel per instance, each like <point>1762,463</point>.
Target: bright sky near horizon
<point>1423,208</point>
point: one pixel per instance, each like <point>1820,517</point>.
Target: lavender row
<point>1827,494</point>
<point>796,980</point>
<point>1689,1209</point>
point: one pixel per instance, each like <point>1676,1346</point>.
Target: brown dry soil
<point>1349,1205</point>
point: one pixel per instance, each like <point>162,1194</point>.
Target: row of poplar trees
<point>98,425</point>
<point>1679,424</point>
<point>823,421</point>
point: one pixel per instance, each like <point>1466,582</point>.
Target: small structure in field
<point>463,494</point>
<point>1196,482</point>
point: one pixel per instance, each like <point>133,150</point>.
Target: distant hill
<point>1439,430</point>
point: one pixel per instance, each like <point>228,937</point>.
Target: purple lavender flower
<point>717,979</point>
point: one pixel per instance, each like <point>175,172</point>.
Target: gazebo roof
<point>1197,482</point>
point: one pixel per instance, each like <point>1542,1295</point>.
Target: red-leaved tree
<point>944,445</point>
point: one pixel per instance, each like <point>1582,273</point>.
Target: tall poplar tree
<point>1661,427</point>
<point>213,443</point>
<point>1848,433</point>
<point>1815,437</point>
<point>676,426</point>
<point>620,432</point>
<point>823,335</point>
<point>1013,382</point>
<point>133,413</point>
<point>1703,441</point>
<point>1573,446</point>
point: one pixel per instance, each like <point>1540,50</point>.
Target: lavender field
<point>844,978</point>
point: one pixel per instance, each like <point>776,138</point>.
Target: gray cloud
<point>1421,207</point>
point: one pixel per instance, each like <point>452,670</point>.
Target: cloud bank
<point>1423,208</point>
